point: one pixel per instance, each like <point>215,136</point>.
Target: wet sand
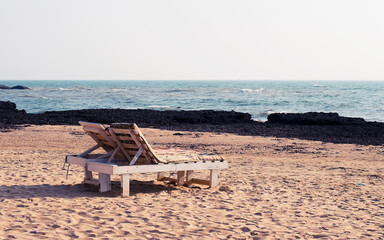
<point>275,188</point>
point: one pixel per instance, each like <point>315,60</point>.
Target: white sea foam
<point>159,107</point>
<point>266,113</point>
<point>252,90</point>
<point>176,90</point>
<point>64,89</point>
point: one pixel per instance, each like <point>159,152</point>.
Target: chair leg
<point>105,182</point>
<point>180,178</point>
<point>160,176</point>
<point>213,179</point>
<point>189,178</point>
<point>125,185</point>
<point>87,174</point>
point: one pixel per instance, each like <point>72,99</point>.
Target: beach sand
<point>274,188</point>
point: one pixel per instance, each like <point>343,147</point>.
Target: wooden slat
<point>98,133</point>
<point>123,149</point>
<point>107,138</point>
<point>125,138</point>
<point>105,142</point>
<point>105,156</point>
<point>85,153</point>
<point>140,141</point>
<point>141,159</point>
<point>135,141</point>
<point>130,146</point>
<point>136,156</point>
<point>96,139</point>
<point>89,124</point>
<point>102,168</point>
<point>149,150</point>
<point>76,160</point>
<point>93,129</point>
<point>120,130</point>
<point>82,161</point>
<point>132,152</point>
<point>170,167</point>
<point>113,154</point>
<point>135,138</point>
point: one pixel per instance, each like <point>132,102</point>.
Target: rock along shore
<point>19,87</point>
<point>326,127</point>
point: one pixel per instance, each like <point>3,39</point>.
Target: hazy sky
<point>194,40</point>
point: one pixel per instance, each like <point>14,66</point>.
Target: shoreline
<point>327,128</point>
<point>259,98</point>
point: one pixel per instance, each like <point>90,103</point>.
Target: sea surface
<point>259,98</point>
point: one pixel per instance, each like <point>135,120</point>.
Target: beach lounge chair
<point>131,153</point>
<point>101,136</point>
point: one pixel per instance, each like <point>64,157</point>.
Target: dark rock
<point>327,128</point>
<point>7,106</point>
<point>313,118</point>
<point>4,87</point>
<point>209,117</point>
<point>9,116</point>
<point>20,87</point>
<point>145,117</point>
<point>15,87</point>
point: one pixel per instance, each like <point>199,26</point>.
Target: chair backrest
<point>133,144</point>
<point>100,134</point>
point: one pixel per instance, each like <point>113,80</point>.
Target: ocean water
<point>259,98</point>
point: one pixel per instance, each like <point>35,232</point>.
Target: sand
<point>275,188</point>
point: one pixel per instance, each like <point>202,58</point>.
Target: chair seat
<point>173,155</point>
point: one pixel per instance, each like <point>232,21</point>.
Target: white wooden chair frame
<point>105,168</point>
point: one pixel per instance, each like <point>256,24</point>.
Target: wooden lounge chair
<point>135,155</point>
<point>102,137</point>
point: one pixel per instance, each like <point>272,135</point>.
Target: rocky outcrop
<point>9,109</point>
<point>4,87</point>
<point>9,115</point>
<point>20,87</point>
<point>144,117</point>
<point>312,126</point>
<point>313,118</point>
<point>7,106</point>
